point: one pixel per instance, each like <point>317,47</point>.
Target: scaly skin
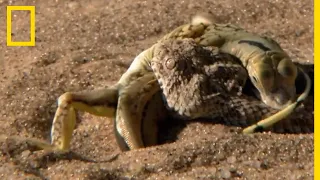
<point>200,82</point>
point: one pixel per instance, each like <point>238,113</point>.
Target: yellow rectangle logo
<point>32,10</point>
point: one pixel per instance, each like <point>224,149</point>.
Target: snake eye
<point>170,63</point>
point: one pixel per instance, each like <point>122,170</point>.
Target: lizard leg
<point>100,102</point>
<point>264,124</point>
<point>131,104</point>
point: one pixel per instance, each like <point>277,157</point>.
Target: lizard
<point>114,100</point>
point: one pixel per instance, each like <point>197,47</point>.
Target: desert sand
<point>82,45</point>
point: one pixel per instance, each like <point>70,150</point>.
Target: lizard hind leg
<point>100,102</point>
<point>63,125</point>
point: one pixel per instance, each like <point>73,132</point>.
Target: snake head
<point>176,67</point>
<point>173,60</point>
<point>274,75</point>
<point>196,80</point>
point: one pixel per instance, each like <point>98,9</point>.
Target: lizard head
<point>274,75</point>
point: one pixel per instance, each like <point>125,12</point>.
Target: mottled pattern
<point>199,81</point>
<point>195,80</point>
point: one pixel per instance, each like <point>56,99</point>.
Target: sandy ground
<point>82,45</point>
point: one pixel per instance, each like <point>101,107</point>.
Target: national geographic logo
<point>32,10</point>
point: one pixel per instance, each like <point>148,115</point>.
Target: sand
<point>82,45</point>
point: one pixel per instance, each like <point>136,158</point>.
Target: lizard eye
<point>255,79</point>
<point>263,77</point>
<point>266,74</point>
<point>170,63</point>
<point>267,78</point>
